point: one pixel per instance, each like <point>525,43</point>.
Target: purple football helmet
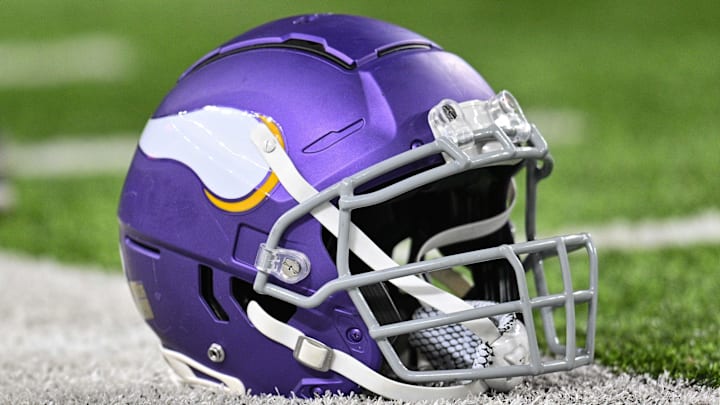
<point>323,204</point>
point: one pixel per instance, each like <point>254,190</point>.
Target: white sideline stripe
<point>7,196</point>
<point>703,227</point>
<point>95,57</point>
<point>558,126</point>
<point>72,156</point>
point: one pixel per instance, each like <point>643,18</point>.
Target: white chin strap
<point>462,233</point>
<point>360,244</point>
<point>473,230</point>
<point>317,355</point>
<point>183,367</point>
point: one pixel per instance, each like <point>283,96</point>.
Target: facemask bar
<point>572,356</point>
<point>460,156</point>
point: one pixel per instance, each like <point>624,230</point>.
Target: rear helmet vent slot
<point>142,248</point>
<point>402,47</point>
<point>243,293</point>
<point>311,47</point>
<point>208,294</point>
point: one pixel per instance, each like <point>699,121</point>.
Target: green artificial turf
<point>658,312</point>
<point>73,220</point>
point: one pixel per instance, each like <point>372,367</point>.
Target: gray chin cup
<point>510,349</point>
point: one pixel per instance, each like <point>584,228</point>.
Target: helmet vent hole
<point>208,295</point>
<point>243,293</point>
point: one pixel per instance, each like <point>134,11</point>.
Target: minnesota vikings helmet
<point>324,204</point>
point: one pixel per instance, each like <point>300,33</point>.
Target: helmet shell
<point>346,92</point>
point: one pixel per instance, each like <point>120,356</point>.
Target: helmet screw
<point>318,391</point>
<point>269,145</point>
<point>450,113</point>
<point>416,144</point>
<point>216,353</point>
<point>354,335</point>
<point>290,267</point>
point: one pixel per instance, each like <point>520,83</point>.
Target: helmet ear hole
<point>243,293</point>
<point>208,295</point>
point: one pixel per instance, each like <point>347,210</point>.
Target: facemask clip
<point>290,266</point>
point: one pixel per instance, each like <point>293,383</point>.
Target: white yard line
<point>559,126</point>
<point>76,156</point>
<point>82,156</point>
<point>87,58</point>
<point>703,227</point>
<point>7,196</point>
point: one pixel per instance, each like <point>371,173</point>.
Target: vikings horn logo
<point>214,142</point>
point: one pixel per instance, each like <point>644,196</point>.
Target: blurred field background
<point>627,93</point>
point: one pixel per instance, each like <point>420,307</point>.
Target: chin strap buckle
<point>312,353</point>
<point>510,349</point>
